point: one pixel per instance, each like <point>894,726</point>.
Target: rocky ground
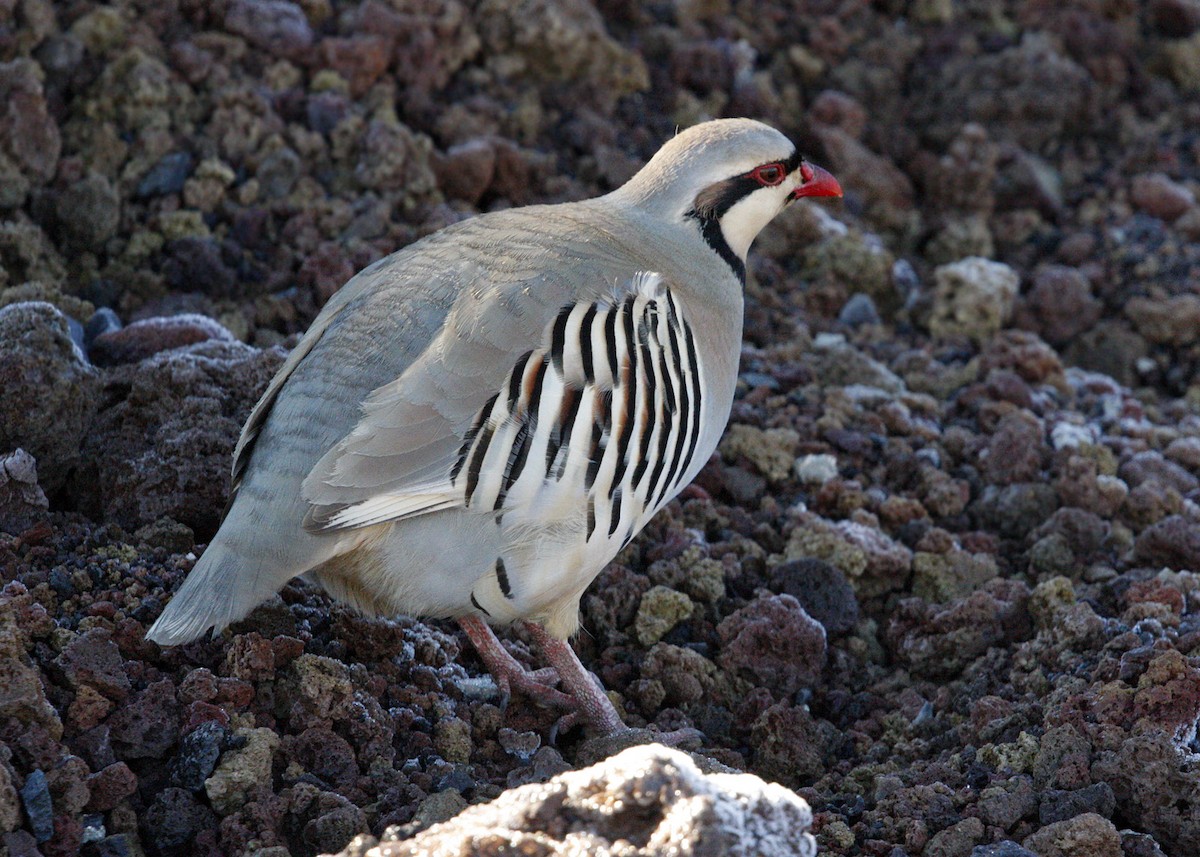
<point>941,578</point>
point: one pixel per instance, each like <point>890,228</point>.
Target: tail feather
<point>222,588</point>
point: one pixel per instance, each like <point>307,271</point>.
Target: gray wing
<point>503,389</point>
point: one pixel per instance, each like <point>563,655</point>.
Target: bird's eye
<point>768,175</point>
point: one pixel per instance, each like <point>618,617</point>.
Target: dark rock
<point>1151,465</point>
<point>1110,347</point>
<point>1134,844</point>
<point>161,446</point>
<point>118,845</point>
<point>147,726</point>
<point>166,176</point>
<point>466,170</point>
<point>1005,848</point>
<point>1015,510</point>
<point>22,501</point>
<point>28,133</point>
<point>859,310</point>
<point>938,640</point>
<point>1059,805</point>
<point>360,60</point>
<point>278,26</point>
<point>776,642</point>
<point>39,809</point>
<point>103,321</point>
<point>1159,196</point>
<point>197,264</point>
<point>1173,542</point>
<point>89,211</point>
<point>197,756</point>
<point>278,172</point>
<point>174,819</point>
<point>49,391</point>
<point>1059,304</point>
<point>20,843</point>
<point>1029,94</point>
<point>822,590</point>
<point>1017,451</point>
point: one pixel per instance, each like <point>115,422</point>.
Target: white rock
<point>816,469</point>
<point>645,801</point>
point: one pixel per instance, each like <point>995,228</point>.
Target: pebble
<point>816,468</point>
<point>39,808</point>
<point>1160,196</point>
<point>167,176</point>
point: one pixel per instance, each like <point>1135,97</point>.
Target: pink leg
<point>592,703</point>
<point>585,697</point>
<point>508,672</point>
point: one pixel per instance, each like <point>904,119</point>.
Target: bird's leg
<point>592,703</point>
<point>508,671</point>
<point>585,697</point>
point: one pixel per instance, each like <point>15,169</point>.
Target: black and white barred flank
<point>608,413</point>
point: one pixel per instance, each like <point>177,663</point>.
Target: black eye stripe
<point>711,204</point>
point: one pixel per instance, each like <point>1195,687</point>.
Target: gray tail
<point>222,588</point>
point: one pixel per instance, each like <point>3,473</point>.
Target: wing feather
<point>467,426</point>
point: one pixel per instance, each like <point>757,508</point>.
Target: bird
<point>475,425</point>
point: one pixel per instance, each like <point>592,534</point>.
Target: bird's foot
<point>581,695</point>
<point>509,673</point>
<point>593,706</point>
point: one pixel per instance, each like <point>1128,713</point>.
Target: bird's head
<point>728,178</point>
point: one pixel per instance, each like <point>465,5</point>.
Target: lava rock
<point>656,795</point>
<point>22,501</point>
<point>49,391</point>
<point>774,640</point>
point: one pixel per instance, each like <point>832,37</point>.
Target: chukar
<point>475,425</point>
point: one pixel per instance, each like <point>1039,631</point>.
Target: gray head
<point>728,178</point>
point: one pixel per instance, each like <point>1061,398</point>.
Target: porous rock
<point>647,800</point>
<point>162,447</point>
<point>49,391</point>
<point>973,298</point>
<point>22,501</point>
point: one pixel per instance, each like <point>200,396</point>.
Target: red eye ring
<point>769,175</point>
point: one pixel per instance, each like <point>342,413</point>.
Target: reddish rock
<point>148,725</point>
<point>360,60</point>
<point>93,659</point>
<point>774,641</point>
<point>839,110</point>
<point>28,133</point>
<point>1017,451</point>
<point>791,746</point>
<point>1059,305</point>
<point>250,657</point>
<point>1151,465</point>
<point>110,786</point>
<point>325,271</point>
<point>1173,542</point>
<point>938,640</point>
<point>149,336</point>
<point>465,171</point>
<point>1159,196</point>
